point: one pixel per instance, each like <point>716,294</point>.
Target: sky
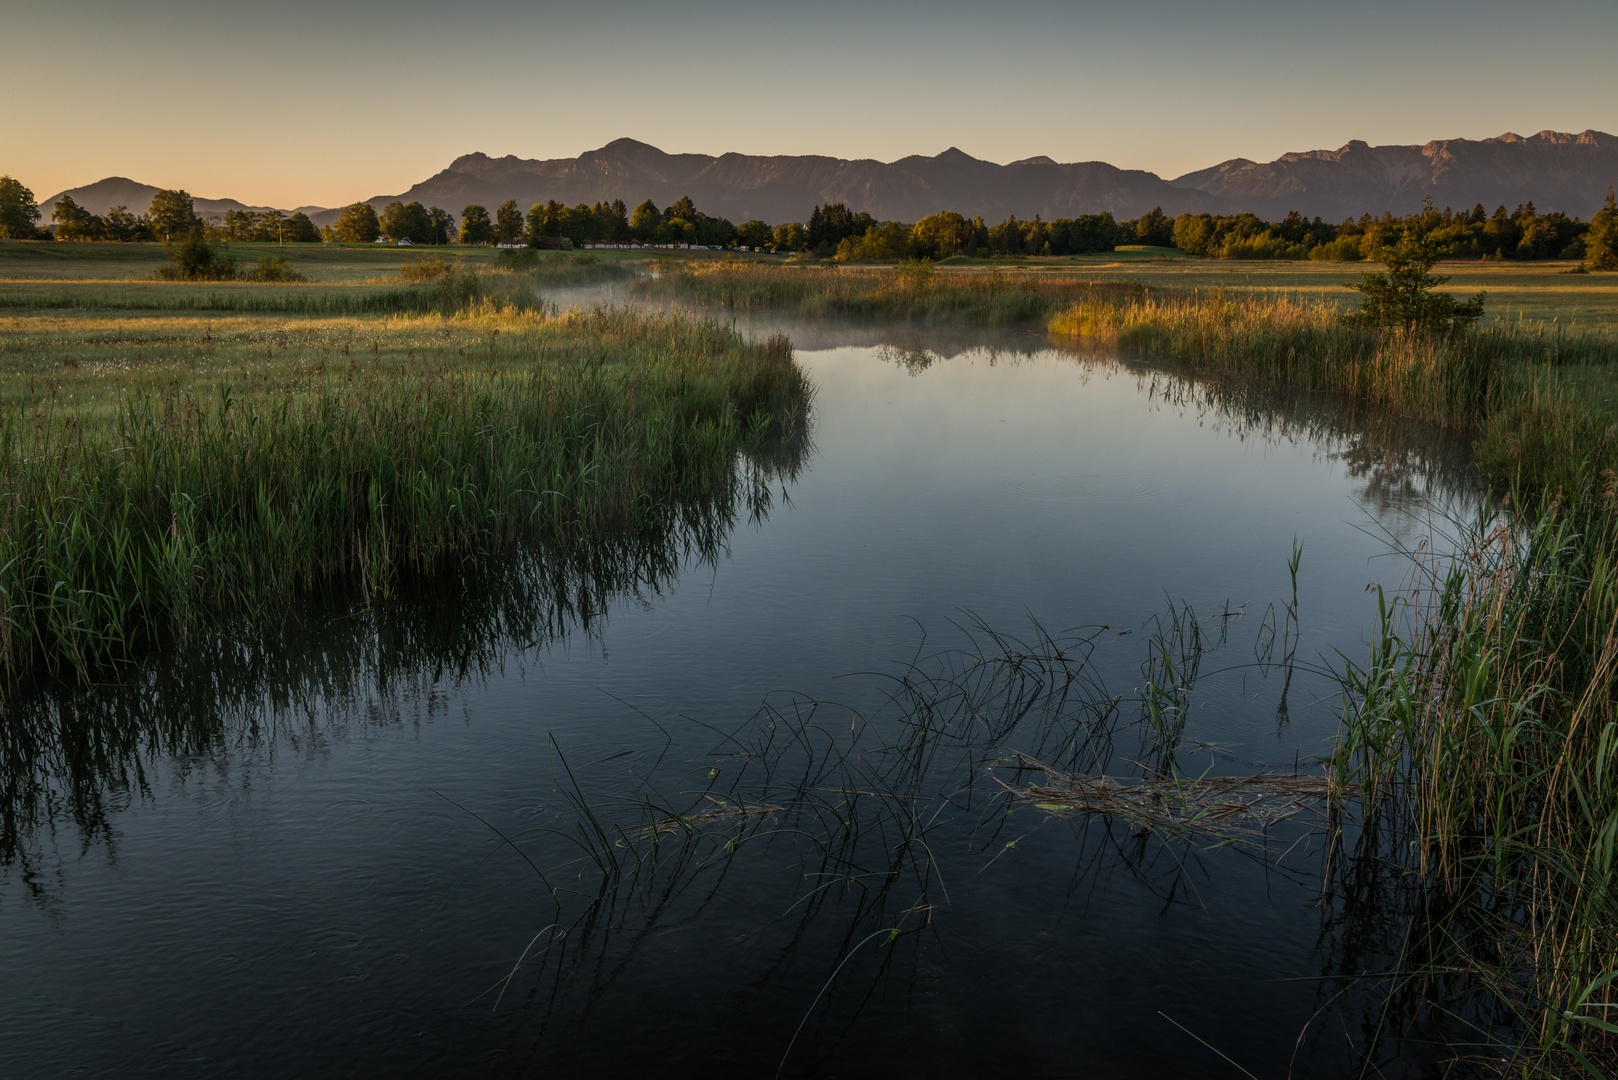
<point>322,103</point>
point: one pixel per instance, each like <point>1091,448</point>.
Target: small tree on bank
<point>1407,295</point>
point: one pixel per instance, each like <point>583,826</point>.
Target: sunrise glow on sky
<point>323,103</point>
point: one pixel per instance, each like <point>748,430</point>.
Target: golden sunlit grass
<point>172,462</point>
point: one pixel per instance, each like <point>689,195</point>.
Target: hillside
<point>785,188</point>
<point>103,195</point>
<point>1556,171</point>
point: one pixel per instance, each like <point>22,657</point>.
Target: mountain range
<point>1555,170</point>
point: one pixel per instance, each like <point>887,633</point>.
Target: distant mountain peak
<point>1557,170</point>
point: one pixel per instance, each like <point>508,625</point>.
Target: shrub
<point>197,260</point>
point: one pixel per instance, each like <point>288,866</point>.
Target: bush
<point>427,270</point>
<point>197,260</point>
<point>276,269</point>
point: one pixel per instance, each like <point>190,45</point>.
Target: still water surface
<point>286,858</point>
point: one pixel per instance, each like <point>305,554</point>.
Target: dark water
<point>284,855</point>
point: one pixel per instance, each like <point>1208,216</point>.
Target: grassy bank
<point>161,472</point>
<point>1537,397</point>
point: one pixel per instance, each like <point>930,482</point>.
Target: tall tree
<point>239,224</point>
<point>406,221</point>
<point>440,226</point>
<point>476,228</point>
<point>357,224</point>
<point>1601,242</point>
<point>644,221</point>
<point>74,222</point>
<point>508,224</point>
<point>172,215</point>
<point>119,224</point>
<point>300,230</point>
<point>18,212</point>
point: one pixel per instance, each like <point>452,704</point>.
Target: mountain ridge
<point>1558,170</point>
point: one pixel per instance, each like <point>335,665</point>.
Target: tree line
<point>1521,234</point>
<point>835,231</point>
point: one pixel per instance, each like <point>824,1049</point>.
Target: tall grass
<point>1483,732</point>
<point>182,506</point>
<point>1535,397</point>
<point>915,291</point>
<point>420,288</point>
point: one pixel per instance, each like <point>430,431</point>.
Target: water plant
<point>1482,734</point>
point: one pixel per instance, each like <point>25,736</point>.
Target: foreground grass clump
<point>197,496</point>
<point>1484,734</point>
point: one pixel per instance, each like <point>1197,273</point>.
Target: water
<point>285,857</point>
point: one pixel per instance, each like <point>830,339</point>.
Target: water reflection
<point>818,887</point>
<point>74,758</point>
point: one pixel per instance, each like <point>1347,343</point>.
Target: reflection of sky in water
<point>263,898</point>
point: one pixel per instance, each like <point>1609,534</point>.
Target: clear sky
<point>306,102</point>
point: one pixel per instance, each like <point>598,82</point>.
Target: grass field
<point>175,452</point>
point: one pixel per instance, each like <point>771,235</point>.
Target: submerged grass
<point>1480,738</point>
<point>160,499</point>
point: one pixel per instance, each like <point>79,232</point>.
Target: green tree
<point>239,224</point>
<point>1601,242</point>
<point>684,209</point>
<point>300,230</point>
<point>74,222</point>
<point>476,228</point>
<point>440,226</point>
<point>358,224</point>
<point>544,221</point>
<point>754,234</point>
<point>172,215</point>
<point>1407,294</point>
<point>18,212</point>
<point>120,225</point>
<point>939,235</point>
<point>792,235</point>
<point>508,223</point>
<point>644,221</point>
<point>1155,228</point>
<point>406,221</point>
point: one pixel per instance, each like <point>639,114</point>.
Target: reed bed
<point>445,293</point>
<point>915,291</point>
<point>1538,399</point>
<point>1483,735</point>
<point>196,498</point>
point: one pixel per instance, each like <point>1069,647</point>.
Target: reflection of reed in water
<point>855,825</point>
<point>1406,465</point>
<point>70,757</point>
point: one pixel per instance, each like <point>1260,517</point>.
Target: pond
<point>739,798</point>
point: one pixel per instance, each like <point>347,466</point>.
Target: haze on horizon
<point>333,102</point>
